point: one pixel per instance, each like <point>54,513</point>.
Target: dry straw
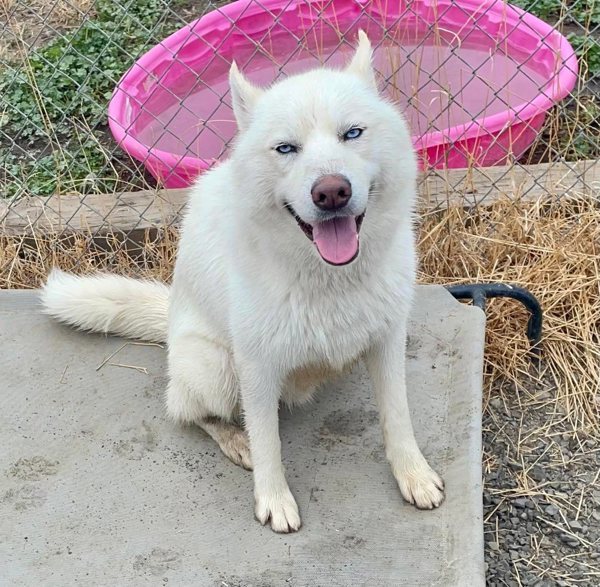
<point>551,248</point>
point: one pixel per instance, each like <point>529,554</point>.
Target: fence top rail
<point>137,211</point>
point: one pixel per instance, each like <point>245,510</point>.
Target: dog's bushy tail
<point>109,304</point>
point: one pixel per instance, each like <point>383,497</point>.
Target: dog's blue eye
<point>285,149</point>
<point>353,133</point>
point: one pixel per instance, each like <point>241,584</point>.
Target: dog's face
<point>317,144</point>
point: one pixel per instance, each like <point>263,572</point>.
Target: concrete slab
<point>97,487</point>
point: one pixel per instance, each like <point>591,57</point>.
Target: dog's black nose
<point>331,192</point>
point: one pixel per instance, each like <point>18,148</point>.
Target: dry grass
<point>24,262</point>
<point>35,22</point>
<point>549,247</point>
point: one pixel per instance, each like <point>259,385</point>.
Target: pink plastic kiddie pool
<point>475,78</point>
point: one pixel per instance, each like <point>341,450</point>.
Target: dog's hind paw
<point>280,509</point>
<point>237,450</point>
<point>420,485</point>
<point>232,440</point>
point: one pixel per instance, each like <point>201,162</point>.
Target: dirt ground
<point>26,25</point>
<point>542,492</point>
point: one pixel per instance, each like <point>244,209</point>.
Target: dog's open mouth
<point>336,239</point>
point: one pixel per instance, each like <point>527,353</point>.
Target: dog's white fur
<point>255,315</point>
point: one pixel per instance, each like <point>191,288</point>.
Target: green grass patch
<point>53,104</point>
<point>588,51</point>
<point>583,12</point>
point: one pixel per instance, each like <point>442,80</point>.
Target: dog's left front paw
<point>420,485</point>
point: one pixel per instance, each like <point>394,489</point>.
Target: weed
<point>55,95</point>
<point>583,12</point>
<point>588,51</point>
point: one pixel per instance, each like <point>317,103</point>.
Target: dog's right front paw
<point>280,509</point>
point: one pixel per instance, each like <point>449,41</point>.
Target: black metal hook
<point>479,292</point>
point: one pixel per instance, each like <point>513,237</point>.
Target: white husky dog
<point>271,294</point>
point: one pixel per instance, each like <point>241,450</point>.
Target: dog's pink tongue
<point>337,239</point>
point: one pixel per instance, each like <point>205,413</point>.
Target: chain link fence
<point>445,63</point>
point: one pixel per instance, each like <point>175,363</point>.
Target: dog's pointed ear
<point>244,96</point>
<point>361,63</point>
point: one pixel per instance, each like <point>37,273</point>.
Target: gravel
<point>542,492</point>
